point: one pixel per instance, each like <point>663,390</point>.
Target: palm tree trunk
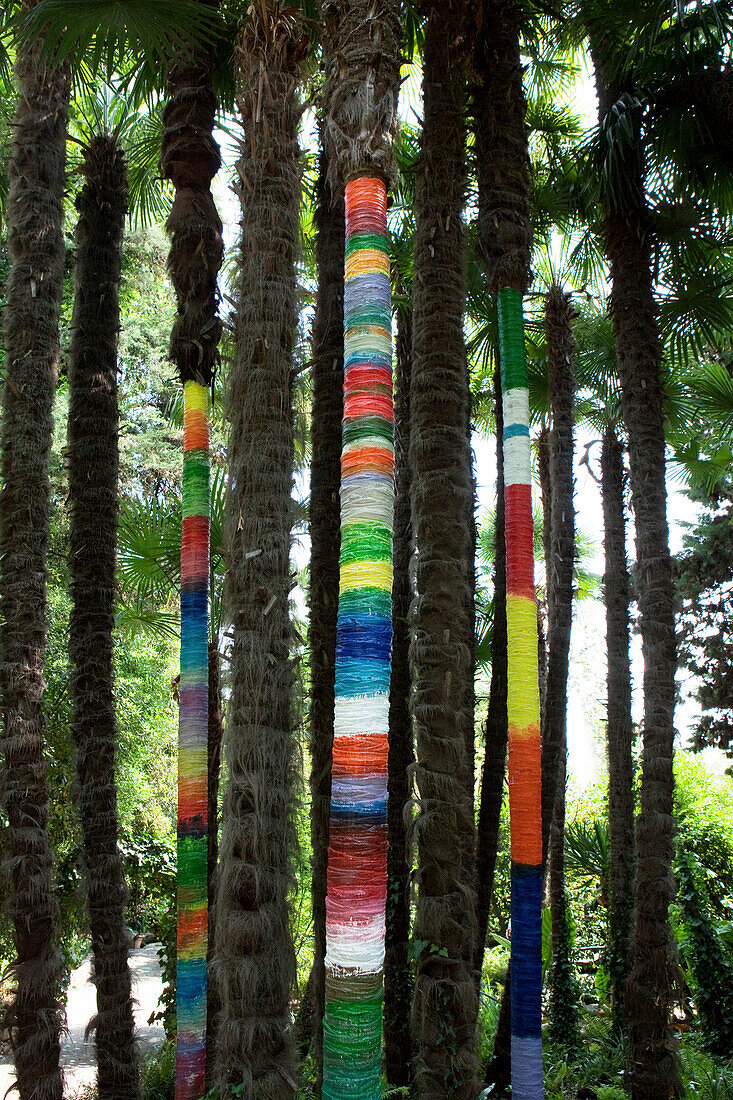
<point>397,973</point>
<point>445,1001</point>
<point>361,39</point>
<point>215,733</point>
<point>619,729</point>
<point>190,159</point>
<point>505,238</point>
<point>492,780</point>
<point>324,520</point>
<point>254,959</point>
<point>626,233</point>
<point>559,313</point>
<point>93,465</point>
<point>35,219</point>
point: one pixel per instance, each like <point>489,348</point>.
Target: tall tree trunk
<point>190,159</point>
<point>619,729</point>
<point>254,960</point>
<point>35,218</point>
<point>397,973</point>
<point>505,240</point>
<point>626,233</point>
<point>324,520</point>
<point>442,495</point>
<point>494,770</point>
<point>215,733</point>
<point>93,495</point>
<point>559,313</point>
<point>361,53</point>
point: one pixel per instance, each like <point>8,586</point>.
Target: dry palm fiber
<point>445,998</point>
<point>254,963</point>
<point>357,852</point>
<point>523,710</point>
<point>93,496</point>
<point>35,240</point>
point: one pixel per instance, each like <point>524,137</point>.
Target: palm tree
<point>92,464</point>
<point>559,313</point>
<point>190,159</point>
<point>254,960</point>
<point>626,235</point>
<point>35,218</point>
<point>505,240</point>
<point>324,514</point>
<point>445,1001</point>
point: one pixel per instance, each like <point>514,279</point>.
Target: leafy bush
<point>159,1073</point>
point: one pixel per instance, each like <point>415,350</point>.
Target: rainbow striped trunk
<point>523,707</point>
<point>357,853</point>
<point>192,750</point>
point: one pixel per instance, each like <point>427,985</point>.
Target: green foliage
<point>159,1073</point>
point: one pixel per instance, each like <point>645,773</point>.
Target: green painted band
<point>513,356</point>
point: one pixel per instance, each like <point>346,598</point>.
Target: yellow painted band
<point>196,396</point>
<point>523,695</point>
<point>366,574</point>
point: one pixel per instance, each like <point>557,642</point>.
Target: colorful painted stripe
<point>523,706</point>
<point>192,750</point>
<point>357,852</point>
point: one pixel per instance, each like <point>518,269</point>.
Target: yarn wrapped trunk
<point>191,978</point>
<point>357,853</point>
<point>523,710</point>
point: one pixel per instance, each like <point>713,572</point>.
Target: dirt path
<point>77,1054</point>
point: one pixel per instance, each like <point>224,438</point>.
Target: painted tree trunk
<point>35,239</point>
<point>619,728</point>
<point>193,793</point>
<point>357,852</point>
<point>93,497</point>
<point>327,411</point>
<point>397,971</point>
<point>523,711</point>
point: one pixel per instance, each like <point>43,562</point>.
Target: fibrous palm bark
<point>361,61</point>
<point>627,242</point>
<point>190,159</point>
<point>495,742</point>
<point>324,517</point>
<point>93,465</point>
<point>559,313</point>
<point>619,729</point>
<point>397,971</point>
<point>254,959</point>
<point>35,218</point>
<point>445,1000</point>
<point>505,240</point>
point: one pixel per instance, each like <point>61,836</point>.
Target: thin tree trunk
<point>497,730</point>
<point>619,729</point>
<point>93,495</point>
<point>35,239</point>
<point>445,1001</point>
<point>324,521</point>
<point>559,313</point>
<point>254,958</point>
<point>626,233</point>
<point>397,972</point>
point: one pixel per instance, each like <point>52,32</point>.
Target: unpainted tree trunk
<point>497,728</point>
<point>93,496</point>
<point>214,743</point>
<point>445,1001</point>
<point>324,522</point>
<point>559,313</point>
<point>34,213</point>
<point>627,236</point>
<point>254,960</point>
<point>619,728</point>
<point>398,982</point>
